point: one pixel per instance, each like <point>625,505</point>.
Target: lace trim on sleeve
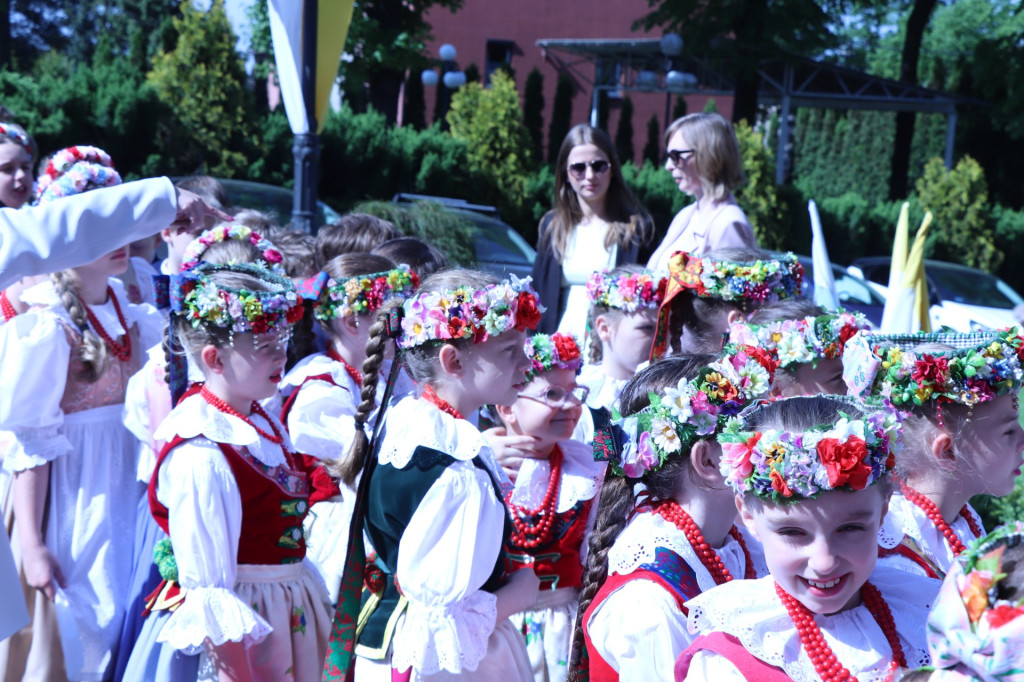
<point>34,446</point>
<point>215,613</point>
<point>452,638</point>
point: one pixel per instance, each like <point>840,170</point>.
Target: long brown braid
<point>92,351</point>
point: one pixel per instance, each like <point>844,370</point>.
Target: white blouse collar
<point>45,294</point>
<point>581,478</point>
<point>318,363</point>
<point>604,390</point>
<point>907,519</point>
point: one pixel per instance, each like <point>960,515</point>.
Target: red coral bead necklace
<point>529,536</point>
<point>673,513</point>
<point>352,372</point>
<point>932,512</point>
<point>431,396</point>
<point>122,351</point>
<point>276,437</point>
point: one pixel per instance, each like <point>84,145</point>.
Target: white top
<point>604,390</point>
<point>77,230</point>
<point>907,519</point>
<point>321,419</point>
<point>450,546</point>
<point>751,611</point>
<point>701,227</point>
<point>656,634</point>
<point>584,253</point>
<point>581,478</point>
<point>35,354</point>
<point>204,505</point>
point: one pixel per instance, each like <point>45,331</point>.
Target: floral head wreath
<point>766,281</point>
<point>802,341</point>
<point>629,291</point>
<point>788,466</point>
<point>973,628</point>
<point>359,294</point>
<point>74,170</point>
<point>981,366</point>
<point>689,411</point>
<point>202,301</point>
<point>271,259</point>
<point>17,136</point>
<point>467,314</point>
<point>557,351</point>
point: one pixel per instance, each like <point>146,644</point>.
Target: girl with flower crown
<point>324,390</point>
<point>73,352</point>
<point>962,433</point>
<point>706,294</point>
<point>664,530</point>
<point>553,497</point>
<point>438,594</point>
<point>811,482</point>
<point>231,493</point>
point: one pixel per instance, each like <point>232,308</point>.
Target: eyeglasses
<point>677,156</point>
<point>579,170</point>
<point>557,397</point>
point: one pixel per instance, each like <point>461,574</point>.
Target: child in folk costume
<point>231,493</point>
<point>324,390</point>
<point>664,531</point>
<point>961,432</point>
<point>706,294</point>
<point>72,352</point>
<point>553,498</point>
<point>439,596</point>
<point>811,477</point>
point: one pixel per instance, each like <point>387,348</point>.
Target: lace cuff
<point>35,446</point>
<point>213,613</point>
<point>452,638</point>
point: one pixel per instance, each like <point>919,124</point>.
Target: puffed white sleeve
<point>639,631</point>
<point>446,554</point>
<point>321,422</point>
<point>205,521</point>
<point>708,665</point>
<point>34,352</point>
<point>76,230</point>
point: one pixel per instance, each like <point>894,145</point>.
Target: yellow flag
<point>333,19</point>
<point>914,275</point>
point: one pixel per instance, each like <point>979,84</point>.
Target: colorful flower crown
<point>557,351</point>
<point>17,136</point>
<point>629,292</point>
<point>801,341</point>
<point>785,466</point>
<point>272,258</point>
<point>970,626</point>
<point>74,170</point>
<point>981,366</point>
<point>766,281</point>
<point>204,302</point>
<point>467,314</point>
<point>693,409</point>
<point>357,295</point>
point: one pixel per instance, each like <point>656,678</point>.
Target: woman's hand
<point>42,570</point>
<point>518,594</point>
<point>511,451</point>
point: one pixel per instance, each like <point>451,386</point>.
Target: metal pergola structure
<point>787,81</point>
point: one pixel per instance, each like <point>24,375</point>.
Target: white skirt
<point>547,629</point>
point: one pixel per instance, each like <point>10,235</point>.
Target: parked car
<point>277,201</point>
<point>962,298</point>
<point>855,294</point>
<point>497,247</point>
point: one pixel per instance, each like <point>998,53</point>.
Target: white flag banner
<point>824,283</point>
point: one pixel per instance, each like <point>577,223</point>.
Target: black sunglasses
<point>579,170</point>
<point>677,156</point>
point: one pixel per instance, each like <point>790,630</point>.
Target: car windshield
<point>972,287</point>
<point>497,242</point>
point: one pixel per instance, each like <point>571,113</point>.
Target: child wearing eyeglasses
<point>552,499</point>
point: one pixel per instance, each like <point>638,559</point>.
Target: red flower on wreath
<point>779,484</point>
<point>931,369</point>
<point>295,313</point>
<point>456,326</point>
<point>527,314</point>
<point>566,347</point>
<point>844,462</point>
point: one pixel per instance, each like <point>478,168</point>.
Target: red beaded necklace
<point>276,437</point>
<point>431,396</point>
<point>933,514</point>
<point>6,309</point>
<point>673,513</point>
<point>122,351</point>
<point>818,650</point>
<point>529,536</point>
<point>352,372</point>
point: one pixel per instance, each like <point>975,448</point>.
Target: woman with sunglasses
<point>703,157</point>
<point>596,223</point>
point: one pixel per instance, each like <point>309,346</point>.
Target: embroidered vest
<point>557,563</point>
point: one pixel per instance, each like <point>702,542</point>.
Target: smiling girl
<point>811,482</point>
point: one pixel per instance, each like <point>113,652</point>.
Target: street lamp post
<point>452,78</point>
<point>306,147</point>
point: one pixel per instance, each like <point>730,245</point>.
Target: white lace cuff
<point>215,613</point>
<point>35,446</point>
<point>452,638</point>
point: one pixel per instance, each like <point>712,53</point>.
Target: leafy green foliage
<point>656,190</point>
<point>652,147</point>
<point>414,113</point>
<point>624,132</point>
<point>561,116</point>
<point>533,111</point>
<point>430,221</point>
<point>758,195</point>
<point>678,109</point>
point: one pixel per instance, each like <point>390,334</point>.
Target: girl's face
<point>820,551</point>
<point>15,175</point>
<point>626,341</point>
<point>530,415</point>
<point>685,171</point>
<point>113,264</point>
<point>253,367</point>
<point>493,372</point>
<point>991,443</point>
<point>589,172</point>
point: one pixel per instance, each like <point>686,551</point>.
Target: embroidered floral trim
<point>272,258</point>
<point>557,351</point>
<point>628,292</point>
<point>360,294</point>
<point>783,466</point>
<point>802,341</point>
<point>73,170</point>
<point>195,295</point>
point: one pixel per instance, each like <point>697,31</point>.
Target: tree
<point>202,80</point>
<point>678,109</point>
<point>414,111</point>
<point>533,110</point>
<point>561,115</point>
<point>652,148</point>
<point>624,131</point>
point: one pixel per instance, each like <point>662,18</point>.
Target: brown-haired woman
<point>596,224</point>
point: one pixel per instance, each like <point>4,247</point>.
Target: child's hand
<point>519,593</point>
<point>42,570</point>
<point>511,451</point>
